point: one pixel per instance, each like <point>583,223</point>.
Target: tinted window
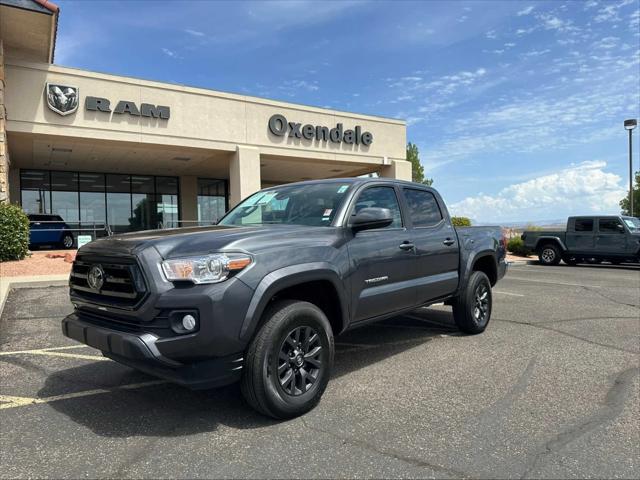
<point>610,225</point>
<point>584,225</point>
<point>303,204</point>
<point>423,207</point>
<point>381,197</point>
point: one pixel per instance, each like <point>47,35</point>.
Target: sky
<point>516,106</point>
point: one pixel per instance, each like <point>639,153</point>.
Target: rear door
<point>382,260</point>
<point>37,229</point>
<point>581,235</point>
<point>611,238</point>
<point>436,243</point>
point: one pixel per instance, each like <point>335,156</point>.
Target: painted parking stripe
<point>550,283</point>
<point>55,352</point>
<point>50,349</point>
<point>508,293</point>
<point>8,401</point>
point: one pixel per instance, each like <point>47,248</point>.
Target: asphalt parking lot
<point>551,389</point>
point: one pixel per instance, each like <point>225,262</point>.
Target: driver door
<point>381,260</point>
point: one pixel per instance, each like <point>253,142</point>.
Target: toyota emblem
<point>95,277</point>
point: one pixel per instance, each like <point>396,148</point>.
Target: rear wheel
<point>67,241</point>
<point>472,309</point>
<point>549,254</point>
<point>288,363</point>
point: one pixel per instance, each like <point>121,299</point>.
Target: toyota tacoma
<point>258,297</point>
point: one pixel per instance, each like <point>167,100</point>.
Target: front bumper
<point>139,350</point>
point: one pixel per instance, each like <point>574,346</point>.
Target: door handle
<point>407,246</point>
<point>449,241</point>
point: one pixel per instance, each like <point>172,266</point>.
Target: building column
<point>4,149</point>
<point>244,174</point>
<point>188,200</point>
<point>399,169</point>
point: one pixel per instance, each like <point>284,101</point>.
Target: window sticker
<point>629,223</point>
<point>343,188</point>
<point>327,212</point>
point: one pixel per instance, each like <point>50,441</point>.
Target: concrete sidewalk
<point>30,281</point>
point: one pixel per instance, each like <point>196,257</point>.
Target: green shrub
<point>461,221</point>
<point>14,232</point>
<point>516,246</point>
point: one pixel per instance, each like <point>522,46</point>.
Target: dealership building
<point>96,148</point>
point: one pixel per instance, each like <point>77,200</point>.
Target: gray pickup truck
<point>259,297</point>
<point>590,239</point>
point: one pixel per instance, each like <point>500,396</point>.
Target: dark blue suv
<point>49,230</point>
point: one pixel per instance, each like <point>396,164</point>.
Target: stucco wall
<point>199,118</point>
<point>4,150</point>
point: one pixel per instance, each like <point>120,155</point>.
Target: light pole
<point>630,125</point>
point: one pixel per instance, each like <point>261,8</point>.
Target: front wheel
<point>288,363</point>
<point>472,309</point>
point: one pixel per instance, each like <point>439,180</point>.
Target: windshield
<point>632,222</point>
<point>309,204</point>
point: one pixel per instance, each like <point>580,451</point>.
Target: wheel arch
<point>553,240</point>
<point>317,283</point>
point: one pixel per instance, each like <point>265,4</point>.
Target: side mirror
<point>372,217</point>
<point>620,228</point>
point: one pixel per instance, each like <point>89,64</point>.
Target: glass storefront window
<point>118,202</point>
<point>124,202</point>
<point>212,200</point>
<point>93,209</point>
<point>142,203</point>
<point>35,191</point>
<point>65,200</point>
<point>167,201</point>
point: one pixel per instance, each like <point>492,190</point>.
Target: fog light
<point>189,322</point>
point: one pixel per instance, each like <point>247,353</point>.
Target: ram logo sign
<point>62,99</point>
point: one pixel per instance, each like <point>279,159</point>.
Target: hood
<point>180,242</point>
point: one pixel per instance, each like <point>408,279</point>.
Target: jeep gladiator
<point>590,239</point>
<point>258,297</point>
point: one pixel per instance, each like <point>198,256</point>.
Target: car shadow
<point>166,409</point>
<point>609,266</point>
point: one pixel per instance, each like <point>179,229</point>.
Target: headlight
<point>206,269</point>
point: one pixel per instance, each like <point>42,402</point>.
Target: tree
<point>417,170</point>
<point>624,203</point>
<point>461,221</point>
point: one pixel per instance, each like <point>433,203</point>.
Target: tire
<point>67,241</point>
<point>472,309</point>
<point>549,254</point>
<point>276,364</point>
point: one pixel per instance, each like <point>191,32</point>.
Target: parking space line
<point>54,352</point>
<point>8,401</point>
<point>550,282</point>
<point>508,293</point>
<point>50,349</point>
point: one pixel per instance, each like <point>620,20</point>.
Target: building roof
<point>41,33</point>
<point>40,6</point>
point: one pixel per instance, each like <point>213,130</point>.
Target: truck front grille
<point>121,283</point>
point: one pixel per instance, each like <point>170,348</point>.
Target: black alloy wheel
<point>481,304</point>
<point>299,361</point>
<point>288,363</point>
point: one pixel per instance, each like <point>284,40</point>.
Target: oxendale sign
<point>280,127</point>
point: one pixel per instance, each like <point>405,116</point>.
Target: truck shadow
<point>169,410</point>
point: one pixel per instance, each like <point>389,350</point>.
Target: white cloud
<point>292,87</point>
<point>585,188</point>
<point>170,53</point>
<point>526,11</point>
<point>195,33</point>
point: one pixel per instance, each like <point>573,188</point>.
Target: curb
<point>7,283</point>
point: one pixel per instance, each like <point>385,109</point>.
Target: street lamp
<point>630,125</point>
